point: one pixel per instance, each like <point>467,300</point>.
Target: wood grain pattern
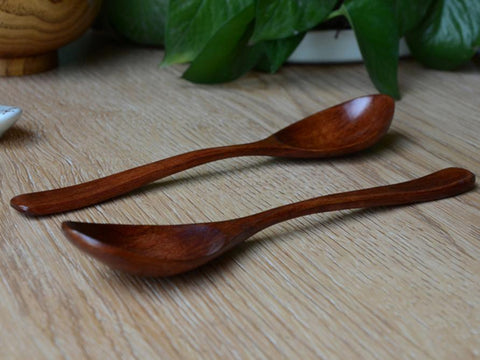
<point>346,128</point>
<point>386,283</point>
<point>32,30</point>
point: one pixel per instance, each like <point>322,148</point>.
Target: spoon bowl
<point>136,249</point>
<point>164,250</point>
<point>342,129</point>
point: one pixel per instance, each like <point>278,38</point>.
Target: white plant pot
<point>332,46</point>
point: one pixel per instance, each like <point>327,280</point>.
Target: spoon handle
<point>441,184</point>
<point>96,191</point>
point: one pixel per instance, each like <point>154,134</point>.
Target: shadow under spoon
<point>164,250</point>
<point>342,129</point>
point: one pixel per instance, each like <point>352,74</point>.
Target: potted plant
<point>221,42</point>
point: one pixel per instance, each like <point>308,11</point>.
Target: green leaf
<point>276,52</point>
<point>449,36</point>
<point>227,54</point>
<point>376,29</point>
<point>278,19</point>
<point>410,13</point>
<point>142,22</point>
<point>192,23</point>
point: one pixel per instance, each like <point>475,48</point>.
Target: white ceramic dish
<point>8,116</point>
<point>332,46</point>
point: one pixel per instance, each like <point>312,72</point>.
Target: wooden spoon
<point>163,250</point>
<point>339,130</point>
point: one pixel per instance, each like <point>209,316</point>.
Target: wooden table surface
<point>387,283</point>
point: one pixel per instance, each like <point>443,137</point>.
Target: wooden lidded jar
<point>31,31</point>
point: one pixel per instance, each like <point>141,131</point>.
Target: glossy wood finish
<point>342,129</point>
<point>153,250</point>
<point>385,283</point>
<point>31,31</point>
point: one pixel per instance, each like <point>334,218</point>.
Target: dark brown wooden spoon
<point>339,130</point>
<point>163,250</point>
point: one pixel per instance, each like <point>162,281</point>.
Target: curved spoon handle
<point>96,191</point>
<point>441,184</point>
